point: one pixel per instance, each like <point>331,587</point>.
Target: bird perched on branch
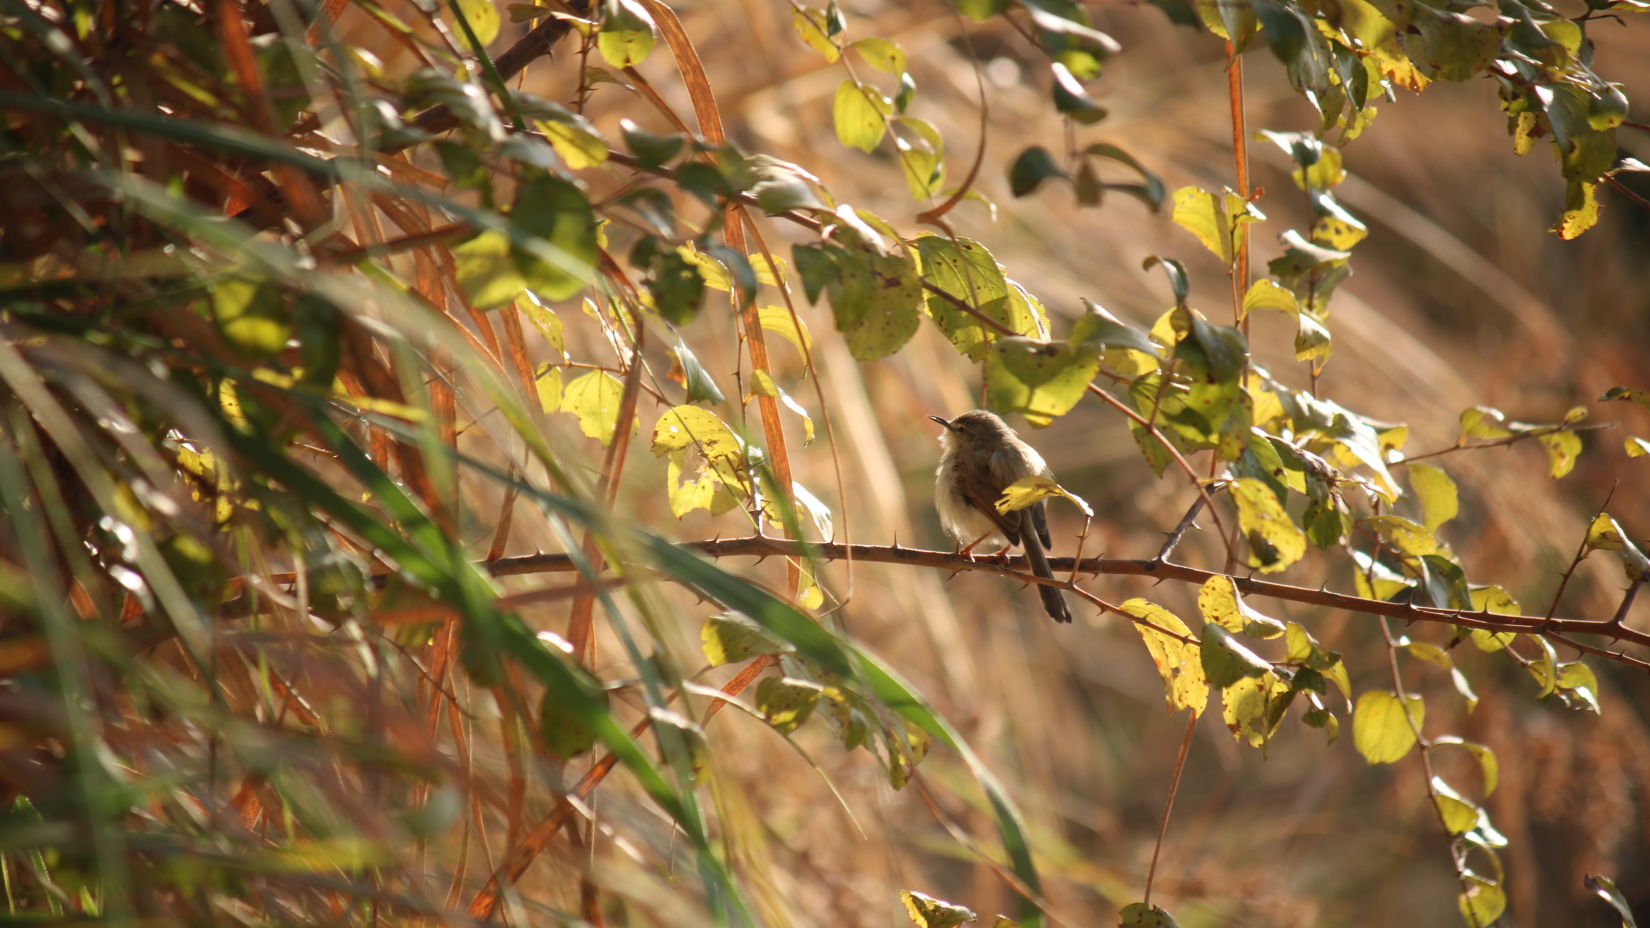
<point>979,457</point>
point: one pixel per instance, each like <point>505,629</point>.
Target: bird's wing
<point>981,487</point>
<point>1009,465</point>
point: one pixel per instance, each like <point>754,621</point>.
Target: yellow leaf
<point>1178,661</point>
<point>928,912</point>
<point>1247,708</point>
<point>1383,728</point>
<point>1028,490</point>
<point>1408,538</point>
<point>1437,493</point>
<point>1220,603</point>
<point>1275,541</point>
<point>1562,449</point>
<point>594,398</point>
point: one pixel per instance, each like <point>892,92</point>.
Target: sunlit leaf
<point>594,397</point>
<point>1029,490</point>
<point>1220,603</point>
<point>928,912</point>
<point>1275,541</point>
<point>1437,493</point>
<point>860,114</point>
<point>1178,661</point>
<point>787,702</point>
<point>734,639</point>
<point>626,36</point>
<point>1383,727</point>
<point>1225,661</point>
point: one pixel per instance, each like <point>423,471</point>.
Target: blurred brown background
<point>1459,297</point>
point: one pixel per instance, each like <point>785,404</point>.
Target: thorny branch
<point>1016,568</point>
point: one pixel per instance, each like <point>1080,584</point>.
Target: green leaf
<point>594,397</point>
<point>1030,490</point>
<point>860,113</point>
<point>651,150</point>
<point>881,54</point>
<point>1225,661</point>
<point>1458,814</point>
<point>626,36</point>
<point>1275,541</point>
<point>814,28</point>
<point>1312,340</point>
<point>701,387</point>
<point>1436,491</point>
<point>1381,725</point>
<point>928,912</point>
<point>1031,168</point>
<point>677,288</point>
<point>1178,661</point>
<point>1071,99</point>
<point>1040,380</point>
<point>251,315</point>
<point>565,733</point>
<point>780,186</point>
<point>1214,218</point>
<point>968,272</point>
<point>1150,191</point>
<point>486,270</point>
<point>874,296</point>
<point>1098,327</point>
<point>1482,902</point>
<point>787,702</point>
<point>1266,294</point>
<point>1141,915</point>
<point>1406,537</point>
<point>560,256</point>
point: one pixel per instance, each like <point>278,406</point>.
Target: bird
<point>980,455</point>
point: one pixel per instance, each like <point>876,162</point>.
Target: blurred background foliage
<point>331,344</point>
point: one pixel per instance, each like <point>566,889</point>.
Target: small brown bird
<point>980,456</point>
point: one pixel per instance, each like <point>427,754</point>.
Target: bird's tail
<point>1053,602</point>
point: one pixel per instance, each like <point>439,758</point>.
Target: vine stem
<point>1168,804</point>
<point>1240,164</point>
<point>1423,748</point>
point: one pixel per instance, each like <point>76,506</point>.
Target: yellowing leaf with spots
<point>1275,541</point>
<point>1178,660</point>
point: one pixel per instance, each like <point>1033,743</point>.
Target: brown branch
<point>1508,440</point>
<point>1016,568</point>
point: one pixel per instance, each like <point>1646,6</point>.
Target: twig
<point>1508,440</point>
<point>1168,805</point>
<point>1179,530</point>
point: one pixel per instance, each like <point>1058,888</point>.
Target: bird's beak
<point>944,422</point>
